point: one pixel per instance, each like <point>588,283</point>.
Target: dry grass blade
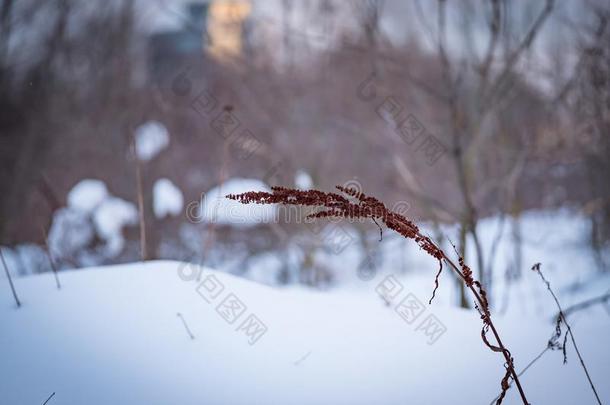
<point>50,258</point>
<point>10,280</point>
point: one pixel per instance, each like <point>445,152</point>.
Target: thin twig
<point>143,255</point>
<point>536,268</point>
<point>380,230</point>
<point>302,359</point>
<point>185,326</point>
<point>48,399</point>
<point>209,240</point>
<point>10,280</point>
<point>48,251</point>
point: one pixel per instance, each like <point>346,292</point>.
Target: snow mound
<point>151,138</point>
<point>264,268</point>
<point>303,180</point>
<point>92,211</point>
<point>24,259</point>
<point>216,208</point>
<point>110,218</point>
<point>87,194</point>
<point>33,258</point>
<point>167,199</point>
<point>70,232</point>
<point>118,327</point>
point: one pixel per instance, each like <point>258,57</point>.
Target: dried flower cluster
<point>466,272</point>
<point>338,206</point>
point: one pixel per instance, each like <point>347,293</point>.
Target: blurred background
<point>123,122</point>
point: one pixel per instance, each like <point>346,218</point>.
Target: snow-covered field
<point>112,335</point>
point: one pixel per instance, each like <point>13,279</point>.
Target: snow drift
<point>111,335</point>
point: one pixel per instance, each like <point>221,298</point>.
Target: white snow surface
<point>111,335</point>
<point>87,194</point>
<point>216,208</point>
<point>151,138</point>
<point>167,199</point>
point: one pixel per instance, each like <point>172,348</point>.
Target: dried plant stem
<point>482,302</point>
<point>585,304</point>
<point>143,253</point>
<point>48,251</point>
<point>357,205</point>
<point>48,399</point>
<point>185,326</point>
<point>10,280</point>
<point>531,363</point>
<point>208,242</point>
<point>562,316</point>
